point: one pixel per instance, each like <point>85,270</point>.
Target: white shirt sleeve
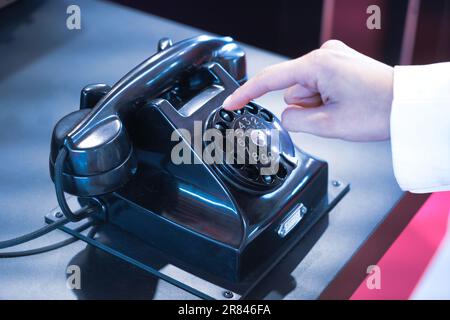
<point>420,127</point>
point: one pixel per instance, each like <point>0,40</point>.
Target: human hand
<point>333,92</point>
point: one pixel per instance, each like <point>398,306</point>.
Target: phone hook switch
<point>164,43</point>
<point>92,94</point>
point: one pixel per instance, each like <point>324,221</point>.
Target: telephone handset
<point>116,150</point>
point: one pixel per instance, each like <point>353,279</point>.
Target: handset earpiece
<point>100,163</point>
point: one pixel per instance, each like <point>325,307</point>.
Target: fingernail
<point>226,102</point>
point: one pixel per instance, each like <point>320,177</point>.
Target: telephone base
<point>129,248</point>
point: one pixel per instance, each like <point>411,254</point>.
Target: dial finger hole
<point>251,172</point>
<point>266,115</point>
<point>282,172</point>
<point>252,108</point>
<point>226,115</point>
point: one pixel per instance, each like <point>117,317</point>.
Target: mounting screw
<point>335,183</point>
<point>303,210</point>
<point>228,294</point>
<point>59,215</point>
<point>163,44</point>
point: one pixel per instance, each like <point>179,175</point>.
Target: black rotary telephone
<point>222,218</point>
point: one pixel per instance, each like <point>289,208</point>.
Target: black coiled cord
<point>58,177</point>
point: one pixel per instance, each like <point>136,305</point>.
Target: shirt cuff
<point>420,127</point>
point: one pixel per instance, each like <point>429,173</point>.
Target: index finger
<point>276,77</point>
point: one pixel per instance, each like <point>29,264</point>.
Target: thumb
<point>316,121</point>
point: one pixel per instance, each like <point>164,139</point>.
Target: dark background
<point>293,27</point>
<point>288,27</point>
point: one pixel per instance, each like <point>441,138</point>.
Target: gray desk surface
<point>43,66</point>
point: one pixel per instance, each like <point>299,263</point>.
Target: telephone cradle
<point>213,228</point>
